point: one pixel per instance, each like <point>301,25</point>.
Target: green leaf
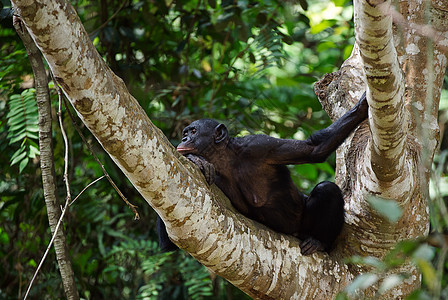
<point>339,2</point>
<point>13,111</point>
<point>15,97</point>
<point>443,100</point>
<point>322,26</point>
<point>17,119</point>
<point>23,164</point>
<point>101,247</point>
<point>425,252</point>
<point>341,296</point>
<point>32,263</point>
<point>362,282</point>
<point>390,282</point>
<point>18,138</point>
<point>419,295</point>
<point>326,167</point>
<point>347,51</point>
<point>32,128</point>
<point>31,135</point>
<point>18,158</point>
<point>18,128</point>
<point>428,272</point>
<point>4,238</point>
<point>386,208</point>
<point>33,151</point>
<point>325,46</point>
<point>18,151</point>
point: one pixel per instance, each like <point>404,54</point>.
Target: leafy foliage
<point>386,208</point>
<point>197,281</point>
<point>250,64</point>
<point>385,274</point>
<point>22,127</point>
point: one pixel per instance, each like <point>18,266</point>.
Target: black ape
<point>252,172</point>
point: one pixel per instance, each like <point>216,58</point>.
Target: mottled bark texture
<point>47,159</point>
<point>390,156</point>
<point>263,263</point>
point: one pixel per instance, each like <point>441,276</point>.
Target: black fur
<point>252,172</point>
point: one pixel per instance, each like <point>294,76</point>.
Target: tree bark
<point>402,129</point>
<point>385,85</point>
<point>47,160</point>
<point>259,261</point>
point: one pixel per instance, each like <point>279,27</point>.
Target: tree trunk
<point>388,156</point>
<point>47,161</point>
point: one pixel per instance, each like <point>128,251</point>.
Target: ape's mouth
<point>184,149</point>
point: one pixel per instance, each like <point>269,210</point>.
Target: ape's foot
<point>311,245</point>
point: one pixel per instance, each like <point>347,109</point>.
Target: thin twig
<point>424,30</point>
<point>48,249</point>
<point>64,135</point>
<point>131,206</point>
<point>108,20</point>
<point>90,184</point>
<point>64,209</point>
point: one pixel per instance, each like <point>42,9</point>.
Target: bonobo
<point>252,173</point>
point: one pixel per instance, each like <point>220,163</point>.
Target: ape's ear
<point>221,133</point>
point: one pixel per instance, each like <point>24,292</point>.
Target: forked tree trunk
<point>388,156</point>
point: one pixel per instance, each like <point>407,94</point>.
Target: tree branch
<point>47,166</point>
<point>261,262</point>
<point>385,81</point>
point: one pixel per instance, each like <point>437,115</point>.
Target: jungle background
<point>251,65</point>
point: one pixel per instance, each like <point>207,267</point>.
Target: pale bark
<point>47,161</point>
<point>387,116</point>
<point>366,163</point>
<point>259,261</point>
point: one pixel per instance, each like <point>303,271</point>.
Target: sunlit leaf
<point>347,51</point>
<point>32,263</point>
<point>386,208</point>
<point>362,282</point>
<point>23,164</point>
<point>321,26</point>
<point>20,157</point>
<point>425,252</point>
<point>428,272</point>
<point>390,282</point>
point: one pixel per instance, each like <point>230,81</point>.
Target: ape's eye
<point>193,131</point>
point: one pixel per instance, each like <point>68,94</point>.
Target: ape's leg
<point>165,243</point>
<point>322,219</point>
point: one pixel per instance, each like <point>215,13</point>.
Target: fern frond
<point>23,127</point>
<point>268,47</point>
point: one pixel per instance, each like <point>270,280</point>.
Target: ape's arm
<point>320,144</point>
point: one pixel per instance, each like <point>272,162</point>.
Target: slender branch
<point>440,38</point>
<point>64,209</point>
<point>48,250</point>
<point>131,206</point>
<point>108,20</point>
<point>64,135</point>
<point>89,185</point>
